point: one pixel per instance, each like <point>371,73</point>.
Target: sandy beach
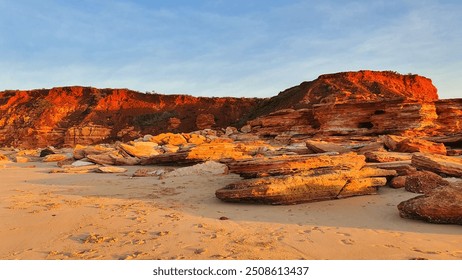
<point>117,216</point>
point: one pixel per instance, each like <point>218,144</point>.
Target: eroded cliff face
<point>85,115</point>
<point>359,104</point>
<point>363,103</point>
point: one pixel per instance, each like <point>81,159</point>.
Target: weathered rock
<point>3,158</point>
<point>169,138</point>
<point>68,161</point>
<point>325,147</point>
<point>370,147</point>
<point>401,167</point>
<point>439,164</point>
<point>75,169</point>
<point>140,149</point>
<point>195,139</point>
<point>313,185</point>
<point>111,169</point>
<point>178,158</point>
<point>424,182</point>
<point>81,152</point>
<point>422,146</point>
<point>398,182</point>
<point>412,145</point>
<point>46,152</point>
<point>230,130</point>
<point>217,151</point>
<point>449,119</point>
<point>204,121</point>
<point>150,172</point>
<point>27,152</point>
<point>454,152</point>
<point>113,159</point>
<point>246,129</point>
<point>169,148</point>
<point>19,159</point>
<point>79,163</point>
<point>350,103</point>
<point>147,137</point>
<point>173,123</point>
<point>87,134</point>
<point>56,157</point>
<point>387,156</point>
<point>86,115</point>
<point>283,165</point>
<point>442,206</point>
<point>392,141</point>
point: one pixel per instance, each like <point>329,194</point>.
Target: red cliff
<point>85,115</point>
<point>348,103</point>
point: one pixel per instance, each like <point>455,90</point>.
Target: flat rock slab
<point>383,156</point>
<point>325,147</point>
<point>111,169</point>
<point>440,164</point>
<point>56,157</point>
<point>401,167</point>
<point>314,185</point>
<point>292,164</point>
<point>441,206</point>
<point>113,159</point>
<point>411,145</point>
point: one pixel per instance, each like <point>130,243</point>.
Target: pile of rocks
<point>304,178</point>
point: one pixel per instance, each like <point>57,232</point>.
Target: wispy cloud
<point>224,49</point>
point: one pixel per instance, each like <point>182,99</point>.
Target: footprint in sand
<point>426,252</point>
<point>343,233</point>
<point>348,241</point>
<point>132,256</point>
<point>391,246</point>
<point>200,251</point>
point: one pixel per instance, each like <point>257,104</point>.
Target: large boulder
<point>423,182</point>
<point>307,186</point>
<point>441,206</point>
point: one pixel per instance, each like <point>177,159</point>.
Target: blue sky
<point>225,48</point>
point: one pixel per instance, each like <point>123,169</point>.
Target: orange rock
<point>306,186</point>
<point>56,157</point>
<point>204,121</point>
<point>442,206</point>
<point>387,156</point>
<point>141,149</point>
<point>169,138</point>
<point>439,164</point>
<point>283,165</point>
<point>422,146</point>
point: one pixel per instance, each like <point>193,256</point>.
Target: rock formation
<point>442,206</point>
<point>451,166</point>
<point>311,178</point>
<point>84,115</point>
<point>363,103</point>
<point>358,103</point>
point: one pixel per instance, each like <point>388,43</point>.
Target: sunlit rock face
<point>362,103</point>
<point>84,115</point>
<point>359,103</point>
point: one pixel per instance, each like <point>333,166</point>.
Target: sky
<point>239,48</point>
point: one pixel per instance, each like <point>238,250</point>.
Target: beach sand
<point>116,216</point>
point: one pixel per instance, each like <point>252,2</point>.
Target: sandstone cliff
<point>85,115</point>
<point>363,103</point>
